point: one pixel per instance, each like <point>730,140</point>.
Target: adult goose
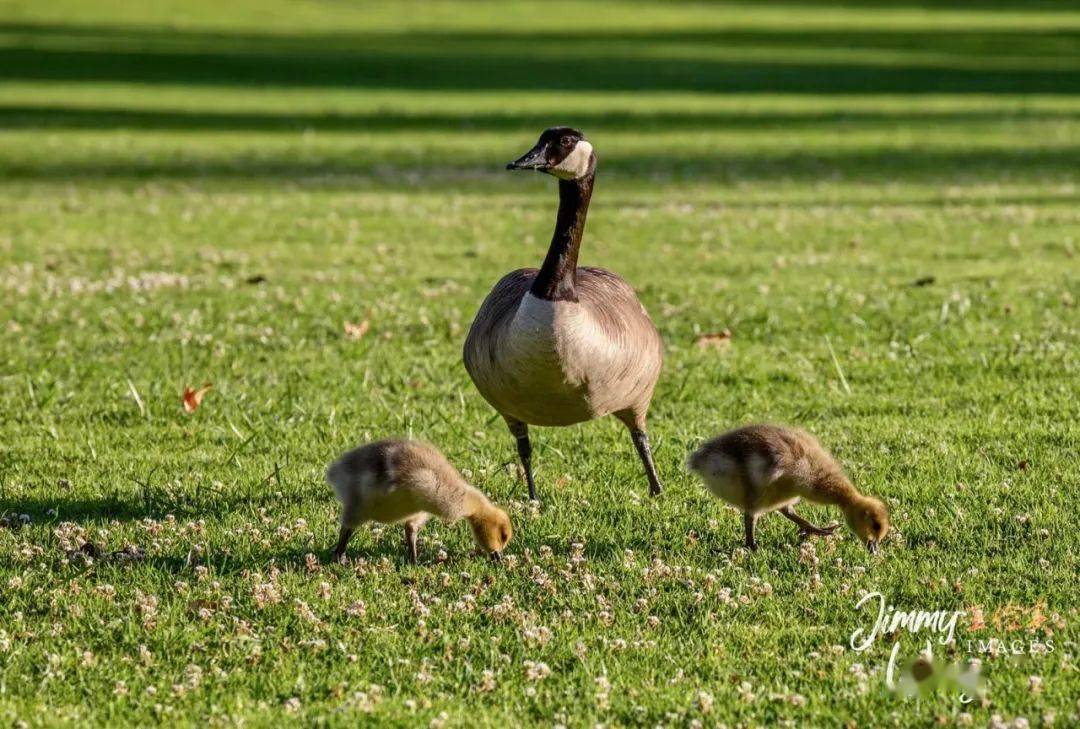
<point>563,344</point>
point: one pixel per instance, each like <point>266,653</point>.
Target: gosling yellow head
<point>492,531</point>
<point>869,519</point>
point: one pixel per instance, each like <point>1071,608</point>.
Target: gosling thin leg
<point>641,443</point>
<point>343,540</point>
<point>520,431</point>
<point>805,527</point>
<point>749,521</point>
<point>411,531</point>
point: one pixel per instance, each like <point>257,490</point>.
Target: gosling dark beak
<point>871,546</point>
<point>531,160</point>
<point>496,556</point>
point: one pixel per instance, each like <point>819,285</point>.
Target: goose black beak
<point>496,556</point>
<point>531,160</point>
<point>871,546</point>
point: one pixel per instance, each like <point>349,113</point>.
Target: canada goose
<point>407,482</point>
<point>763,468</point>
<point>563,344</point>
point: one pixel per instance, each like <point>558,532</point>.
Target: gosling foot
<point>806,529</point>
<point>816,531</point>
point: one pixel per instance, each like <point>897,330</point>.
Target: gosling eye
<point>875,525</point>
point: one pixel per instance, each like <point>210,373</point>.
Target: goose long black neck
<point>556,279</point>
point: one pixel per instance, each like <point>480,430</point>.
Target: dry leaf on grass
<point>193,398</point>
<point>357,331</point>
<point>714,340</point>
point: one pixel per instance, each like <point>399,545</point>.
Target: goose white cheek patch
<point>576,163</point>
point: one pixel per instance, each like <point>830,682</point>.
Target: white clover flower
<point>536,670</point>
<point>705,702</point>
<point>603,692</point>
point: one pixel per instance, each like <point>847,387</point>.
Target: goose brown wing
<point>616,309</point>
<point>635,352</point>
<point>493,319</point>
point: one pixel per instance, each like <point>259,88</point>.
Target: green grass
<point>785,171</point>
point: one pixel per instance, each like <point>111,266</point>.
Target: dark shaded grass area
<point>30,116</point>
<point>875,165</point>
<point>958,61</point>
<point>920,61</point>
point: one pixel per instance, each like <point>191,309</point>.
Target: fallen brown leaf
<point>357,331</point>
<point>193,398</point>
<point>922,669</point>
<point>714,340</point>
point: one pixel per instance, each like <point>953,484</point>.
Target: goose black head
<point>560,151</point>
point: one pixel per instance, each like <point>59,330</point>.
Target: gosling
<point>763,468</point>
<point>407,482</point>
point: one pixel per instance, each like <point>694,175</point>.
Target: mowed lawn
<point>879,202</point>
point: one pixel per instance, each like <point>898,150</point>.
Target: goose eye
<point>567,141</point>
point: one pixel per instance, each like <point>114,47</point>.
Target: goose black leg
<point>343,540</point>
<point>520,431</point>
<point>749,520</point>
<point>641,443</point>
